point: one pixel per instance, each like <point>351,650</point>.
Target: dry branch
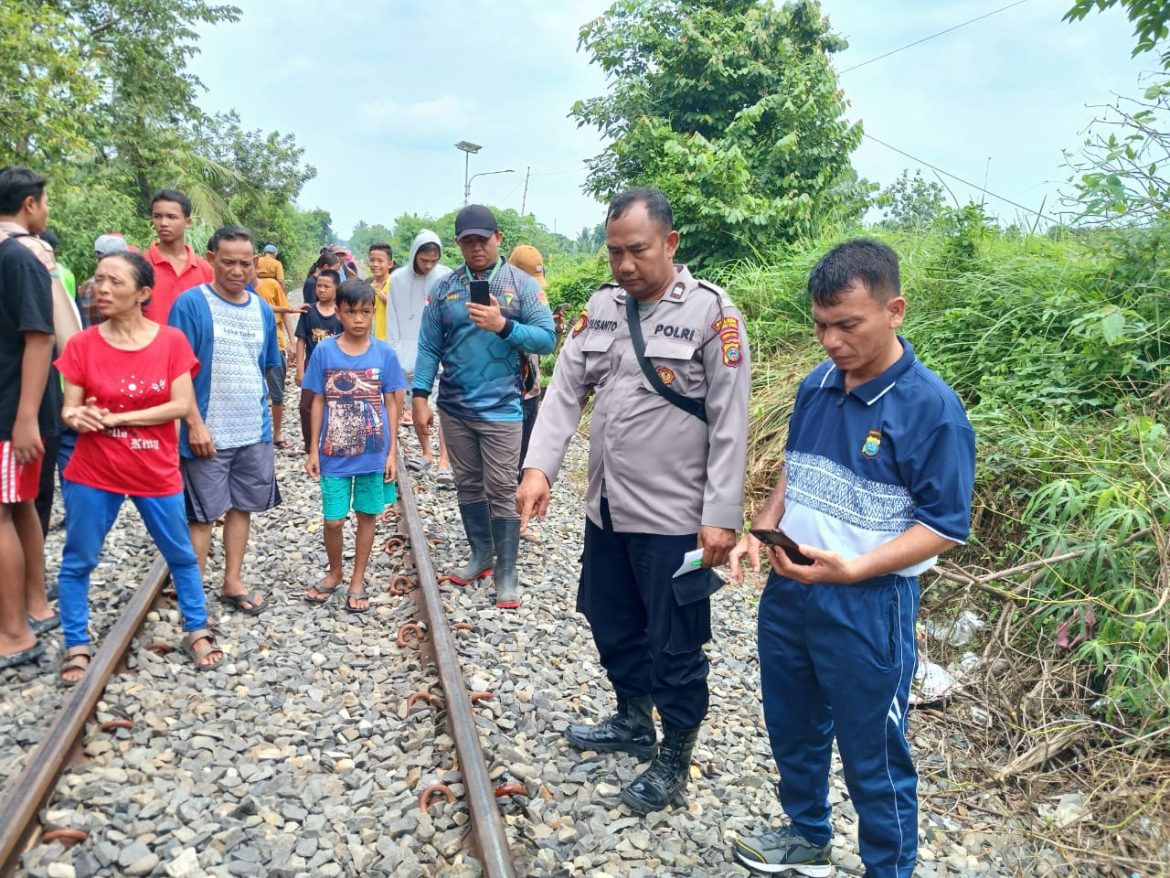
<point>955,574</point>
<point>1042,752</point>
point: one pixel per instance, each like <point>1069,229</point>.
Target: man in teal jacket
<point>481,348</point>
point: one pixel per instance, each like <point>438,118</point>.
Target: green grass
<point>1059,348</point>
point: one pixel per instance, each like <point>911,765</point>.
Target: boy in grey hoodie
<point>410,287</point>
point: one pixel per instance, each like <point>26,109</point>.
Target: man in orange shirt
<point>177,268</point>
<point>268,286</point>
<point>269,266</point>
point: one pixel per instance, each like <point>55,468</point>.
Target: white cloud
<point>415,120</point>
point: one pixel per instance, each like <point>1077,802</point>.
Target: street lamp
<point>467,148</point>
<point>467,185</point>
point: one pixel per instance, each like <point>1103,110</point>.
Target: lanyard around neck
<point>491,277</point>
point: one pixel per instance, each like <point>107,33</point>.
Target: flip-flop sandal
<point>323,594</point>
<point>24,657</point>
<point>351,596</point>
<point>279,443</point>
<point>40,626</point>
<point>237,601</point>
<point>198,655</point>
<point>77,658</point>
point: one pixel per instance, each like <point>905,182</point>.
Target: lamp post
<point>467,148</point>
<point>467,185</point>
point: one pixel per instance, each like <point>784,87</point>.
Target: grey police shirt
<point>662,470</point>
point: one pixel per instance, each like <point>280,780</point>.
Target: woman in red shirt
<point>126,382</point>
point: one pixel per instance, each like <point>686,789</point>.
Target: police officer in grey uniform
<point>668,440</point>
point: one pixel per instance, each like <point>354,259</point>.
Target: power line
<point>569,168</point>
<point>511,192</point>
<point>932,36</point>
<point>939,170</point>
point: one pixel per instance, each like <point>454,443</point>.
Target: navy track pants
<point>838,661</point>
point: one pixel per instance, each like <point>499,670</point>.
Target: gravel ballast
<point>298,755</point>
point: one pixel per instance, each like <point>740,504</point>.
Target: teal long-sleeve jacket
<point>480,380</point>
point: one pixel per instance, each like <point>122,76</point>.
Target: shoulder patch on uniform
<point>677,291</point>
<point>582,324</point>
<point>728,329</point>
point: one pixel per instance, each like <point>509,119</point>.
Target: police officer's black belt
<point>690,406</point>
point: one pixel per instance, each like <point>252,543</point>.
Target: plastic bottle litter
<point>957,632</point>
<point>968,663</point>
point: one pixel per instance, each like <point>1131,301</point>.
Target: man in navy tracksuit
<point>877,482</point>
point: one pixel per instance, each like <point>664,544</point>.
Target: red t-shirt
<point>168,285</point>
<point>139,461</point>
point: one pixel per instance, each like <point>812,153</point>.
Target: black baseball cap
<point>475,219</point>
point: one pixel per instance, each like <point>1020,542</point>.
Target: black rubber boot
<point>666,778</point>
<point>630,730</point>
<point>506,536</point>
<point>477,524</point>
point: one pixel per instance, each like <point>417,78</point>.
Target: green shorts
<point>368,492</point>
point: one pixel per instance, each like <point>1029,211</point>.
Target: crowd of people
<point>876,482</point>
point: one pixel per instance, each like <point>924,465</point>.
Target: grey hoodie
<point>409,294</point>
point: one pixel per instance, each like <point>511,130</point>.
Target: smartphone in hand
<point>479,292</point>
<point>782,541</point>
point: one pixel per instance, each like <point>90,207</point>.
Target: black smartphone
<point>782,541</point>
<point>479,292</point>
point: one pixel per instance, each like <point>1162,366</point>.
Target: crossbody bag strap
<point>687,404</point>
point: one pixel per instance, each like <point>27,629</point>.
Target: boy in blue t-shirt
<point>352,378</point>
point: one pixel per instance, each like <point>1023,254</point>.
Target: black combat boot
<point>630,730</point>
<point>506,536</point>
<point>666,778</point>
<point>477,524</point>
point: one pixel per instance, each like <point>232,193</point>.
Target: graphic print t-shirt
<point>314,327</point>
<point>139,461</point>
<point>355,429</point>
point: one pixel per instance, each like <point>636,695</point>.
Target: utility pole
<point>524,200</point>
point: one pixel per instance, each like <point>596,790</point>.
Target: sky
<point>379,99</point>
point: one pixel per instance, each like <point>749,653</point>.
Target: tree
<point>1121,172</point>
<point>141,49</point>
<point>106,108</point>
<point>911,203</point>
<point>1149,18</point>
<point>732,109</point>
<point>517,229</point>
<point>590,240</point>
<point>44,117</point>
<point>364,235</point>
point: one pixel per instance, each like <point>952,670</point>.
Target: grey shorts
<point>275,381</point>
<point>241,478</point>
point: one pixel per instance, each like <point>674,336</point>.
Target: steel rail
<point>489,837</point>
<point>24,796</point>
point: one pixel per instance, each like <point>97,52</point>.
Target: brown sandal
<point>198,655</point>
<point>77,658</point>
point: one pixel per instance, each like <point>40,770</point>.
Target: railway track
<point>32,790</point>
